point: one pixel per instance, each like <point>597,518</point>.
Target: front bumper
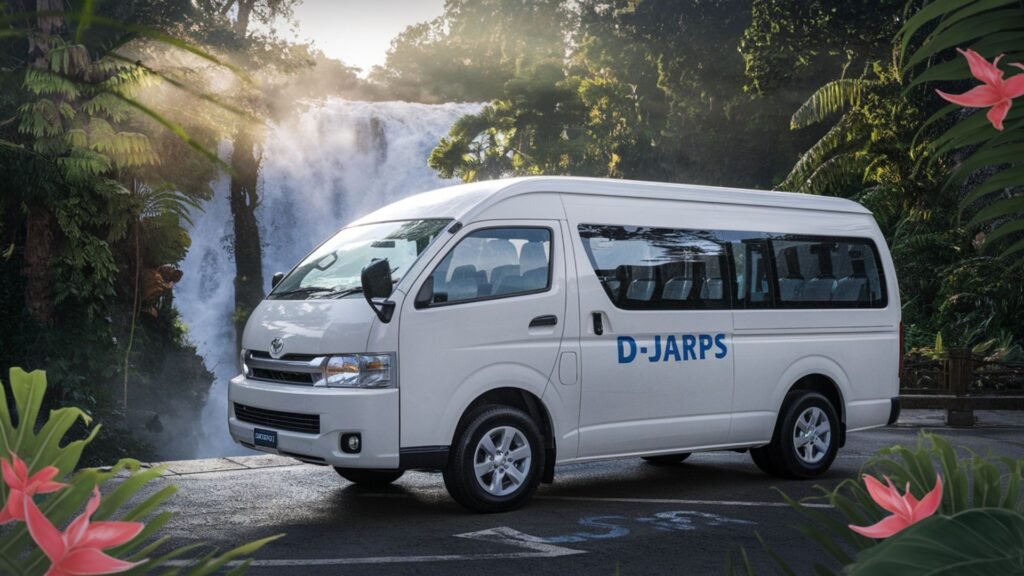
<point>373,413</point>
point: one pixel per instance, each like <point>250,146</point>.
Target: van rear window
<point>647,268</point>
<point>814,272</point>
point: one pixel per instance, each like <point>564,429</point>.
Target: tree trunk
<point>245,164</point>
<point>39,223</point>
<point>36,267</point>
<point>244,13</point>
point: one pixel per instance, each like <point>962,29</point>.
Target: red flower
<point>78,551</point>
<point>995,91</point>
<point>24,486</point>
<point>905,509</point>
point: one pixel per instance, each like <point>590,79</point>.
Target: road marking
<point>755,504</point>
<point>537,548</point>
<point>676,501</point>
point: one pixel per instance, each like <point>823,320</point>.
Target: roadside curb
<point>920,418</point>
<point>223,464</point>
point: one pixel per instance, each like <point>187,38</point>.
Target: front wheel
<point>806,438</point>
<point>496,461</point>
<point>367,477</point>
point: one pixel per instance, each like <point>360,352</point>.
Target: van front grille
<point>282,376</point>
<point>296,369</point>
<point>291,421</point>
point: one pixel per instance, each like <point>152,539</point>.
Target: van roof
<point>463,200</point>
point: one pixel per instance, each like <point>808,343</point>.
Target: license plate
<point>266,438</point>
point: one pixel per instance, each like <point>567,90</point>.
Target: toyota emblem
<point>276,347</point>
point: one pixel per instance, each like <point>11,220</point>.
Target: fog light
<point>351,443</point>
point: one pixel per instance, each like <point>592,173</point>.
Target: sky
<point>359,32</point>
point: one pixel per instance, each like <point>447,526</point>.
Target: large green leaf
<point>1002,208</point>
<point>39,443</point>
<point>939,9</point>
<point>982,542</point>
<point>965,33</point>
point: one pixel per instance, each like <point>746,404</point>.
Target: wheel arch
<point>527,402</point>
<point>817,374</point>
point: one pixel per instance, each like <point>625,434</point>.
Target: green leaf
<point>999,209</point>
<point>933,10</point>
<point>986,25</point>
<point>1009,178</point>
<point>830,99</point>
<point>980,542</point>
<point>986,156</point>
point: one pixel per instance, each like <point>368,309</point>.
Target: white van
<point>495,330</point>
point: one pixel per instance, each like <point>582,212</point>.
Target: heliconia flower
<point>906,509</point>
<point>995,91</point>
<point>78,551</point>
<point>23,486</point>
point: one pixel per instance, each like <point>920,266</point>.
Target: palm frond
<point>835,139</point>
<point>830,99</point>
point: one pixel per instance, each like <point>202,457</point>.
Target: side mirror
<point>276,279</point>
<point>376,284</point>
<point>426,294</point>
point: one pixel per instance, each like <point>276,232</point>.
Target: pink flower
<point>24,486</point>
<point>995,92</point>
<point>905,509</point>
<point>78,551</point>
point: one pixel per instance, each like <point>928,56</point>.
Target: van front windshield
<point>334,269</point>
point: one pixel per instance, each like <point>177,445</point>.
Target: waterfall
<point>321,169</point>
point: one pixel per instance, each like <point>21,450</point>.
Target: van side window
<point>494,263</point>
<point>821,272</point>
<point>644,268</point>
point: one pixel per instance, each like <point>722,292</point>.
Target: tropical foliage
<point>976,528</point>
<point>43,450</point>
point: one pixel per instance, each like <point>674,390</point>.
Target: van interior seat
<point>531,256</point>
<point>501,272</point>
<point>791,289</point>
<point>818,290</point>
<point>463,288</point>
<point>641,289</point>
<point>713,289</point>
<point>509,284</point>
<point>677,288</point>
<point>851,289</point>
<point>464,272</point>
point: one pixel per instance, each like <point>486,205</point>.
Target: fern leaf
<point>831,98</point>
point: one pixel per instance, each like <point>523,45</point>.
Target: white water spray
<point>320,170</point>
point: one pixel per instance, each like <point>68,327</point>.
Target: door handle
<point>549,320</point>
<point>598,324</point>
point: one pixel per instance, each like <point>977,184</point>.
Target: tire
<point>806,438</point>
<point>477,475</point>
<point>667,459</point>
<point>368,477</point>
<point>762,459</point>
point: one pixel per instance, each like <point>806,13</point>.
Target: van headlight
<point>242,365</point>
<point>357,371</point>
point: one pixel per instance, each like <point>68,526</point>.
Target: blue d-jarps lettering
<point>672,348</point>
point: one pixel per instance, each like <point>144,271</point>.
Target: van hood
<point>316,327</point>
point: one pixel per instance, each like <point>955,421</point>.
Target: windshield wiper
<point>346,292</point>
<point>310,291</point>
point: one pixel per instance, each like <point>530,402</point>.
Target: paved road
<point>621,517</point>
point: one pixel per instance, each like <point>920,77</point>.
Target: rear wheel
<point>667,459</point>
<point>496,461</point>
<point>806,438</point>
<point>368,477</point>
